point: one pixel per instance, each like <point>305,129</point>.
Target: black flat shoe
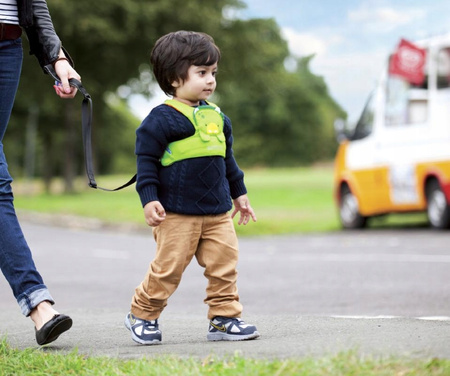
<point>52,329</point>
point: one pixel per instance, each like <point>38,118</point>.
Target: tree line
<point>280,116</point>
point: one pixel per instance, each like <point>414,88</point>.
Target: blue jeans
<point>16,261</point>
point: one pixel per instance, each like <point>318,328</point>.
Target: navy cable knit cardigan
<point>196,186</point>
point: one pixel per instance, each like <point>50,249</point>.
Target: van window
<point>406,103</point>
<point>443,68</point>
<point>365,123</point>
<point>397,101</point>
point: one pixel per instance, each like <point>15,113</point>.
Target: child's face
<point>199,85</point>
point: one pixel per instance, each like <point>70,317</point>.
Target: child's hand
<point>154,213</point>
<point>242,205</point>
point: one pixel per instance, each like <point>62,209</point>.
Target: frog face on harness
<point>209,121</point>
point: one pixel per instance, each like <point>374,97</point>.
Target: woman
<point>16,261</point>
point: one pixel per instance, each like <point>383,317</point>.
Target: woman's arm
<point>46,46</point>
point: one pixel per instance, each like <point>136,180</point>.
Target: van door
<point>367,176</point>
<point>404,135</point>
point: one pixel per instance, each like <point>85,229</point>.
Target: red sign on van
<point>408,62</point>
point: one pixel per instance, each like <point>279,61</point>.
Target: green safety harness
<point>208,139</point>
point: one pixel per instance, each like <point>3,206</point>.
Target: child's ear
<point>176,84</point>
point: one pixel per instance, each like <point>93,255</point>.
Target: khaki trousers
<point>213,241</point>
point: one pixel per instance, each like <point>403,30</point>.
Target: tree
<point>110,41</point>
<point>279,117</point>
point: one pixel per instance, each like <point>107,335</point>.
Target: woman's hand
<point>65,71</point>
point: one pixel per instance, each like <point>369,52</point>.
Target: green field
<point>285,200</point>
<point>35,362</point>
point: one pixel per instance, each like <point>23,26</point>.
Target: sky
<point>351,39</point>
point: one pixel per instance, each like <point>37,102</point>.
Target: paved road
<point>382,292</point>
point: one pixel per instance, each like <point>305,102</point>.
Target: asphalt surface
<point>378,292</point>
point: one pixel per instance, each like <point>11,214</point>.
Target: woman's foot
<point>49,323</point>
<point>53,329</point>
<point>42,314</point>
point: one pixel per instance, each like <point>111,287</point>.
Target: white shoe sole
<point>231,337</point>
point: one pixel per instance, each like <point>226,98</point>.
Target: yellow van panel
<point>373,187</point>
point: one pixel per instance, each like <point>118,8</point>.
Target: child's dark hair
<point>175,52</point>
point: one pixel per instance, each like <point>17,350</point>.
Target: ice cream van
<point>397,157</point>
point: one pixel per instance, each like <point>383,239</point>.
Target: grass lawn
<point>287,200</point>
<point>40,363</point>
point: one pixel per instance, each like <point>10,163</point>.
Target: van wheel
<point>438,209</point>
<point>349,211</point>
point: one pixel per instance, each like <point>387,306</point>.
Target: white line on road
<point>373,257</point>
<point>434,318</point>
<point>110,254</point>
<point>362,317</point>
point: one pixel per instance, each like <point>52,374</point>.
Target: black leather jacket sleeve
<point>35,18</point>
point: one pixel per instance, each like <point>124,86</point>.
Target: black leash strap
<point>86,122</point>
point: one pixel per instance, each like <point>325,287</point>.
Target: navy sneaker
<point>143,331</point>
<point>230,329</point>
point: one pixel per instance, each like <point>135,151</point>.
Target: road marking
<point>434,318</point>
<point>373,257</point>
<point>382,317</point>
<point>110,254</point>
<point>359,317</point>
